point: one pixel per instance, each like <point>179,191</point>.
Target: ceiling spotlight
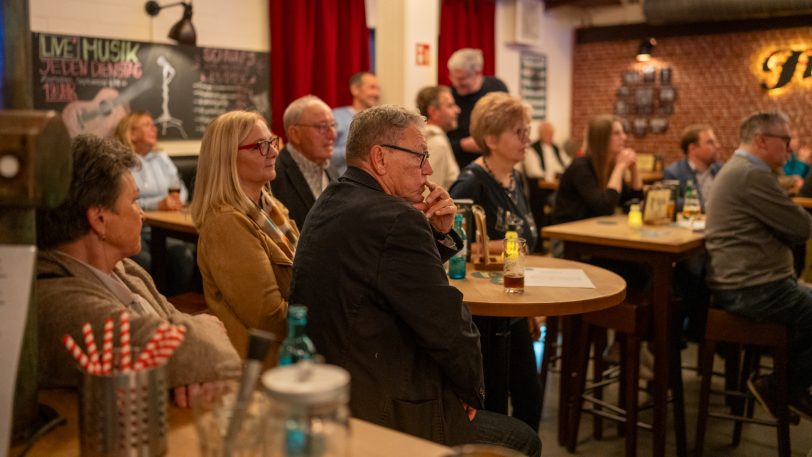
<point>183,31</point>
<point>646,47</point>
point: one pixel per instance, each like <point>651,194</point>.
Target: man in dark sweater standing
<point>751,227</point>
<point>468,86</point>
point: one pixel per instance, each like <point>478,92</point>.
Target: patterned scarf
<point>277,225</point>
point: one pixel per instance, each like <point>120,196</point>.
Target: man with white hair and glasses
<point>468,86</point>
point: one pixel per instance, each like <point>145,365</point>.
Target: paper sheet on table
<point>557,277</point>
<point>16,273</point>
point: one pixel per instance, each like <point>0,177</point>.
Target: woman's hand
<point>627,158</point>
<point>184,394</point>
<point>171,203</point>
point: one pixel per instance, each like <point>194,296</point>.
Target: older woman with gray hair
<point>84,275</point>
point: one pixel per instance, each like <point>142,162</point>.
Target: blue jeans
<point>509,432</point>
<point>785,302</point>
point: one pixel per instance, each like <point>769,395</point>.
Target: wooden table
<point>659,247</point>
<point>485,296</point>
<point>174,224</point>
<point>366,439</point>
<point>804,202</point>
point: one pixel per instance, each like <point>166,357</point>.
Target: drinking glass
<point>213,409</point>
<point>513,273</point>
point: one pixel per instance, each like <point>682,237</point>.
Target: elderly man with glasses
<point>370,267</point>
<point>751,228</point>
<point>303,168</point>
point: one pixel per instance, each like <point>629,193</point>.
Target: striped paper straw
<point>124,337</point>
<point>76,352</point>
<point>92,350</point>
<point>107,347</point>
<point>173,339</point>
<point>148,356</point>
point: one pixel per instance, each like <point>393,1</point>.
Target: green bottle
<point>456,265</point>
<point>297,345</point>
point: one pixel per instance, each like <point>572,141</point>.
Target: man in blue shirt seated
<point>700,164</point>
<point>366,93</point>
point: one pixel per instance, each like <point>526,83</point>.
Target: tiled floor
<point>757,441</point>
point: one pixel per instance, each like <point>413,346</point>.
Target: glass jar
<point>308,415</point>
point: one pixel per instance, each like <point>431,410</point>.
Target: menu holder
<point>486,261</point>
<point>655,211</point>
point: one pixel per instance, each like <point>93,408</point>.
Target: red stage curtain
<point>316,45</point>
<point>466,24</point>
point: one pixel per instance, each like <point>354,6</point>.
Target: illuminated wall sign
<point>781,69</point>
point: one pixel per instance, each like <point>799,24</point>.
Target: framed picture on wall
<point>658,124</point>
<point>665,76</point>
<point>627,125</point>
<point>639,126</point>
<point>533,82</point>
<point>644,100</point>
<point>630,77</point>
<point>668,93</point>
<point>649,74</point>
<point>621,108</point>
<point>528,16</point>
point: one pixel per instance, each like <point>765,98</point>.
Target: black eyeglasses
<point>264,146</point>
<point>523,133</point>
<point>423,155</point>
<point>786,138</point>
<point>322,127</point>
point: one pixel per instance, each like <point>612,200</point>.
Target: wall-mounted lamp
<point>646,47</point>
<point>183,31</point>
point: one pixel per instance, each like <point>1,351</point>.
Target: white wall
<point>242,24</point>
<point>556,40</point>
<point>400,26</point>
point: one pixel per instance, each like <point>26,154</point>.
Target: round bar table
<point>483,292</point>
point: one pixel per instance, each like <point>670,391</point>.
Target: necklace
<point>510,187</point>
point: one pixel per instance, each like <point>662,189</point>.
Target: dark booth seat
<point>187,168</point>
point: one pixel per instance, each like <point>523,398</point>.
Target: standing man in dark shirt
<point>369,265</point>
<point>468,86</point>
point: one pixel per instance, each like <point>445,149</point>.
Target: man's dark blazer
<point>536,145</point>
<point>369,267</point>
<point>682,171</point>
<point>290,187</point>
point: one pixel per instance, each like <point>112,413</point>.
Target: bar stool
<point>632,322</point>
<point>725,327</point>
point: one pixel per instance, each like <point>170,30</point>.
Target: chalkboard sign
<point>95,82</point>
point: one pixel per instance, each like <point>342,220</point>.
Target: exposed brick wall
<point>715,77</point>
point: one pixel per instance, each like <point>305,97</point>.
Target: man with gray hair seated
<point>751,227</point>
<point>369,264</point>
<point>303,168</point>
<point>468,86</point>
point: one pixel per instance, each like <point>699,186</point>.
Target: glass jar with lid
<point>308,415</point>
